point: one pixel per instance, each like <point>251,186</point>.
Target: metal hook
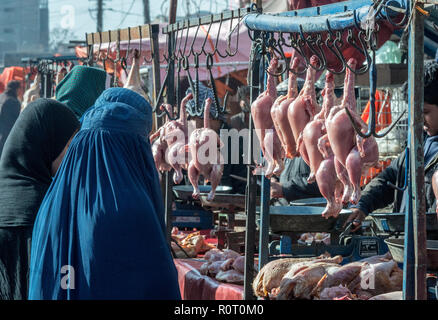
<point>124,60</point>
<point>198,107</point>
<point>117,59</point>
<point>194,38</point>
<point>216,47</point>
<point>363,51</point>
<point>206,37</point>
<point>228,49</point>
<point>321,57</point>
<point>335,50</point>
<point>160,94</point>
<point>209,64</point>
<point>283,57</point>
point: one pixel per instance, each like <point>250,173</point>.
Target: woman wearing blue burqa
<point>99,233</point>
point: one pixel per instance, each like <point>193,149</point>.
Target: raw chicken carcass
<point>352,151</point>
<point>336,293</point>
<point>304,107</point>
<point>315,129</point>
<point>213,255</point>
<point>322,160</point>
<point>337,276</point>
<point>230,254</point>
<point>239,264</point>
<point>300,283</point>
<point>214,268</point>
<point>230,276</point>
<point>270,276</point>
<point>395,295</point>
<point>173,137</point>
<point>261,107</point>
<point>33,92</point>
<point>279,113</point>
<point>264,125</point>
<point>378,278</point>
<point>208,163</point>
<point>176,136</point>
<point>274,154</point>
<point>133,81</point>
<point>227,264</point>
<point>159,146</point>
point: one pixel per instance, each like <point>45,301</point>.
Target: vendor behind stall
<point>218,123</point>
<point>377,193</point>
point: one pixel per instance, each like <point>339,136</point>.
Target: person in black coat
<point>378,194</point>
<point>9,110</point>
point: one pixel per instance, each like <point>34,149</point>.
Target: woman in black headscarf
<point>28,162</point>
<point>9,110</point>
<point>31,156</point>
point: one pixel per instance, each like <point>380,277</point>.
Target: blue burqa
<point>99,233</point>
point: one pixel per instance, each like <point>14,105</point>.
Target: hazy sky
<point>76,16</point>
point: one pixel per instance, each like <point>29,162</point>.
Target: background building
<point>24,28</point>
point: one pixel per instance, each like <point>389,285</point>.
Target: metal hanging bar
<point>226,15</point>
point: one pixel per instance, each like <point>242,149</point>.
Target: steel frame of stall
<point>414,275</point>
<point>171,31</point>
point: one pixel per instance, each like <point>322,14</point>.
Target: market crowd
<point>81,209</point>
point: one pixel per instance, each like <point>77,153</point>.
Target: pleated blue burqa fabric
<point>99,233</point>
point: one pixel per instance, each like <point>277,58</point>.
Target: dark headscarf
<point>103,214</point>
<point>39,135</point>
<point>12,88</point>
<point>80,88</point>
<point>9,110</point>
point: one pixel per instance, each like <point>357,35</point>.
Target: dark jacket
<point>9,111</point>
<point>377,194</point>
<point>294,181</point>
<point>39,135</point>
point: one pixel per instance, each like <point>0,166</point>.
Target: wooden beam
<point>132,33</point>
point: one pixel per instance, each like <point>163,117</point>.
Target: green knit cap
<point>80,88</point>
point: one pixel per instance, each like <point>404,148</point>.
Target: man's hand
<point>357,216</point>
<point>276,190</point>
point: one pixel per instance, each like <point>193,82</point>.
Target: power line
<point>127,13</point>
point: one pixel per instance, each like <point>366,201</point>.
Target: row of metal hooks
<point>182,53</point>
<point>364,40</point>
<point>122,60</point>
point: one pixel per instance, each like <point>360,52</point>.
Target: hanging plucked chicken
<point>204,144</point>
<point>134,82</point>
<point>353,152</point>
<point>264,125</point>
<point>279,113</point>
<point>174,136</point>
<point>304,107</point>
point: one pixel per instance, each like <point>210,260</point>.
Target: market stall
<point>358,22</point>
<point>341,40</point>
